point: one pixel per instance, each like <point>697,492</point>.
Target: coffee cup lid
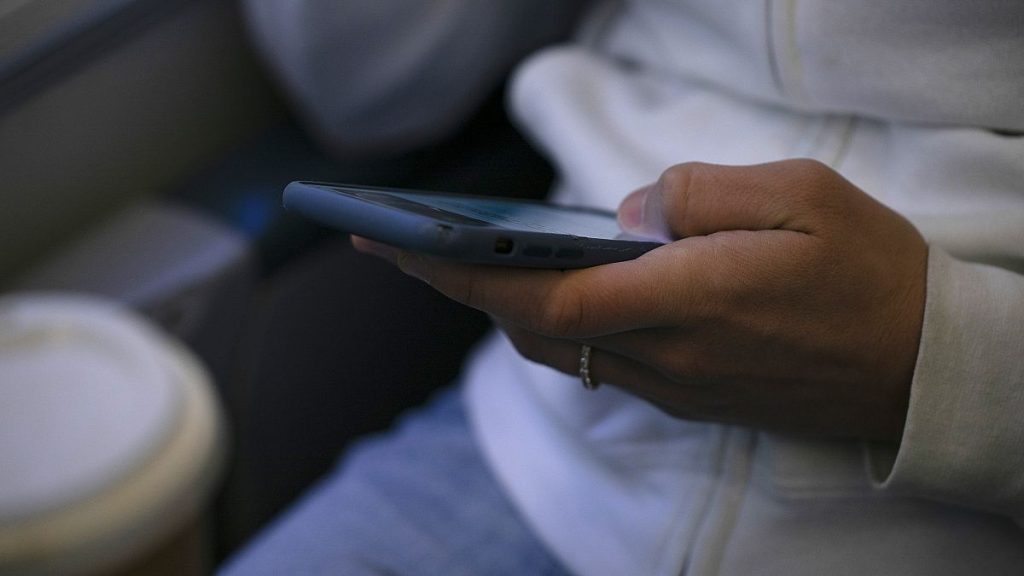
<point>94,405</point>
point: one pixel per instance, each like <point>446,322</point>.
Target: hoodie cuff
<point>963,442</point>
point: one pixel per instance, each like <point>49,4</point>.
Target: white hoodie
<point>914,101</point>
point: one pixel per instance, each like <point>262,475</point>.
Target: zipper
<point>782,49</point>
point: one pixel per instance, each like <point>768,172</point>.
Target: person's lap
<point>418,500</point>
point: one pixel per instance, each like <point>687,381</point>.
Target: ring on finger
<point>585,377</point>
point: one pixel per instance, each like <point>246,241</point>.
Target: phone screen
<point>504,214</point>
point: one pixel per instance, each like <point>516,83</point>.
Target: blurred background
<point>143,150</point>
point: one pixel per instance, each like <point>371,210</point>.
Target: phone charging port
<point>503,246</point>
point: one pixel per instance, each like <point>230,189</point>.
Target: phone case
<point>459,238</point>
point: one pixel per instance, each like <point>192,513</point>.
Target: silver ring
<point>585,369</point>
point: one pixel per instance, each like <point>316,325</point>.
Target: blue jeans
<point>418,500</point>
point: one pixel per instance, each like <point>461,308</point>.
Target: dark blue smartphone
<point>475,229</point>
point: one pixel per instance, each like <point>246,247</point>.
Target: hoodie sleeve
<point>391,75</point>
<point>963,442</point>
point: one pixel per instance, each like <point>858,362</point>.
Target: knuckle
<point>809,169</point>
<point>676,181</point>
<point>561,314</point>
<point>816,193</point>
<point>677,176</point>
<point>673,192</point>
<point>810,166</point>
<point>817,177</point>
<point>681,188</point>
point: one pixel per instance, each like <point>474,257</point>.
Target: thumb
<point>697,199</point>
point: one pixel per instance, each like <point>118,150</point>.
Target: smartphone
<point>474,229</point>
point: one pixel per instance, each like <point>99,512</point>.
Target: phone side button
<point>534,251</point>
<point>569,253</point>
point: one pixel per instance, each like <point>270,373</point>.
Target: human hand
<point>789,300</point>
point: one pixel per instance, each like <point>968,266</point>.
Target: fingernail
<point>631,211</point>
<point>640,216</point>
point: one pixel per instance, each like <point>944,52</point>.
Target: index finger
<point>571,304</point>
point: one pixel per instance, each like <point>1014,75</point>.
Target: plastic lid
<point>93,445</point>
